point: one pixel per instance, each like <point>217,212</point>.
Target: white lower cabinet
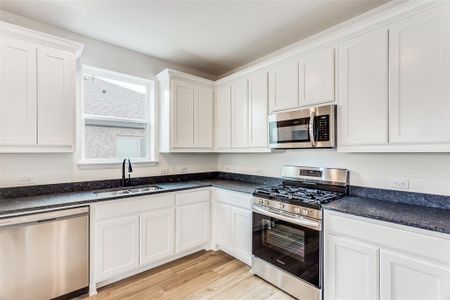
<point>412,278</point>
<point>117,246</point>
<point>192,226</point>
<point>352,271</point>
<point>135,234</point>
<point>157,235</point>
<point>233,223</point>
<point>368,259</point>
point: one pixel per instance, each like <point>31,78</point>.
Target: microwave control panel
<point>323,128</point>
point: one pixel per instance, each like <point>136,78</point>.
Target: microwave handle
<point>311,128</point>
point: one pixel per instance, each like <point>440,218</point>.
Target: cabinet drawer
<point>402,240</point>
<point>233,198</point>
<point>192,197</point>
<point>133,205</point>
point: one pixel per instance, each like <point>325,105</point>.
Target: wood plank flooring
<point>203,275</point>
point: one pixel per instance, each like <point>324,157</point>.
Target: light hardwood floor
<point>203,275</point>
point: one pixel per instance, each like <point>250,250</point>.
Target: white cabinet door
<point>223,234</point>
<point>363,89</point>
<point>351,270</point>
<point>283,86</point>
<point>419,62</point>
<point>203,117</point>
<point>117,246</point>
<point>192,226</point>
<point>56,97</point>
<point>241,220</point>
<point>411,278</point>
<point>18,102</point>
<point>258,100</point>
<point>316,78</point>
<point>157,235</point>
<point>223,117</point>
<point>182,114</point>
<point>239,114</point>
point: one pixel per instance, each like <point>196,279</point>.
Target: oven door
<point>289,243</point>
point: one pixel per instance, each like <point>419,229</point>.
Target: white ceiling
<point>211,36</point>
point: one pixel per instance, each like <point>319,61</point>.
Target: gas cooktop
<point>297,195</point>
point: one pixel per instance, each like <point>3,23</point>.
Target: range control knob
<point>266,202</point>
<point>281,205</point>
<point>305,211</point>
<point>297,210</point>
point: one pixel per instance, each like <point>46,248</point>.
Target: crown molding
<point>26,34</point>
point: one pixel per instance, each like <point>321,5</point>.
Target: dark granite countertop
<point>9,206</point>
<point>435,219</point>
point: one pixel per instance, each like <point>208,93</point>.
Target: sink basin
<point>128,191</point>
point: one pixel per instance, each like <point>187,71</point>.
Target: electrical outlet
<point>183,170</point>
<point>400,184</point>
<point>26,181</point>
<point>165,171</point>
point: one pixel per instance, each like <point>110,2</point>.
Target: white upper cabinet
<point>239,114</point>
<point>203,117</point>
<point>258,101</point>
<point>223,117</point>
<point>37,91</point>
<point>182,114</point>
<point>316,78</point>
<point>419,54</point>
<point>363,89</point>
<point>56,92</point>
<point>18,101</point>
<point>283,88</point>
<point>186,113</point>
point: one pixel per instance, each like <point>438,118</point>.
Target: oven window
<point>293,248</point>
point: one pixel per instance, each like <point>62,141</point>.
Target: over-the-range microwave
<point>313,127</point>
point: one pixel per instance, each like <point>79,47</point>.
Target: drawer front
<point>238,199</point>
<point>190,197</point>
<point>133,205</point>
<point>400,239</point>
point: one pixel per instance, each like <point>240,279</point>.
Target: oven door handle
<point>311,128</point>
<point>316,225</point>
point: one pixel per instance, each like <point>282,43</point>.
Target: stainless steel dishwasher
<point>44,255</point>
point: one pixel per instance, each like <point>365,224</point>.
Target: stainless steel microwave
<point>313,127</point>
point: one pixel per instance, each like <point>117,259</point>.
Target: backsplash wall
<point>426,172</point>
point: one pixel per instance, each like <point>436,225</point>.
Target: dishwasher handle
<point>43,216</point>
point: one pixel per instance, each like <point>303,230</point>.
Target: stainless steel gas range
<point>287,228</point>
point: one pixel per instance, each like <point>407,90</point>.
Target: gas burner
<point>295,194</point>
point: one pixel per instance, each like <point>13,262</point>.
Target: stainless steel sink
<point>128,191</point>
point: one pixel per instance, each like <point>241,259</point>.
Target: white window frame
<point>151,157</point>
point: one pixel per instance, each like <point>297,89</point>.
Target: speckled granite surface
<point>435,219</point>
<point>421,199</point>
<point>28,203</point>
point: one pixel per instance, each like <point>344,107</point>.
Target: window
<point>117,117</point>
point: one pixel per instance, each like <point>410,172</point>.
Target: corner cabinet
<point>37,91</point>
<point>369,259</point>
<point>242,114</point>
<point>186,113</point>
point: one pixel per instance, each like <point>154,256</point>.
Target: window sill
<point>99,164</point>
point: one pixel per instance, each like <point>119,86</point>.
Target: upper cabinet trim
<point>26,34</point>
<point>374,19</point>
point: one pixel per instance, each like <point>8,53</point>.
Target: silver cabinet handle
<point>316,225</point>
<point>311,128</point>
